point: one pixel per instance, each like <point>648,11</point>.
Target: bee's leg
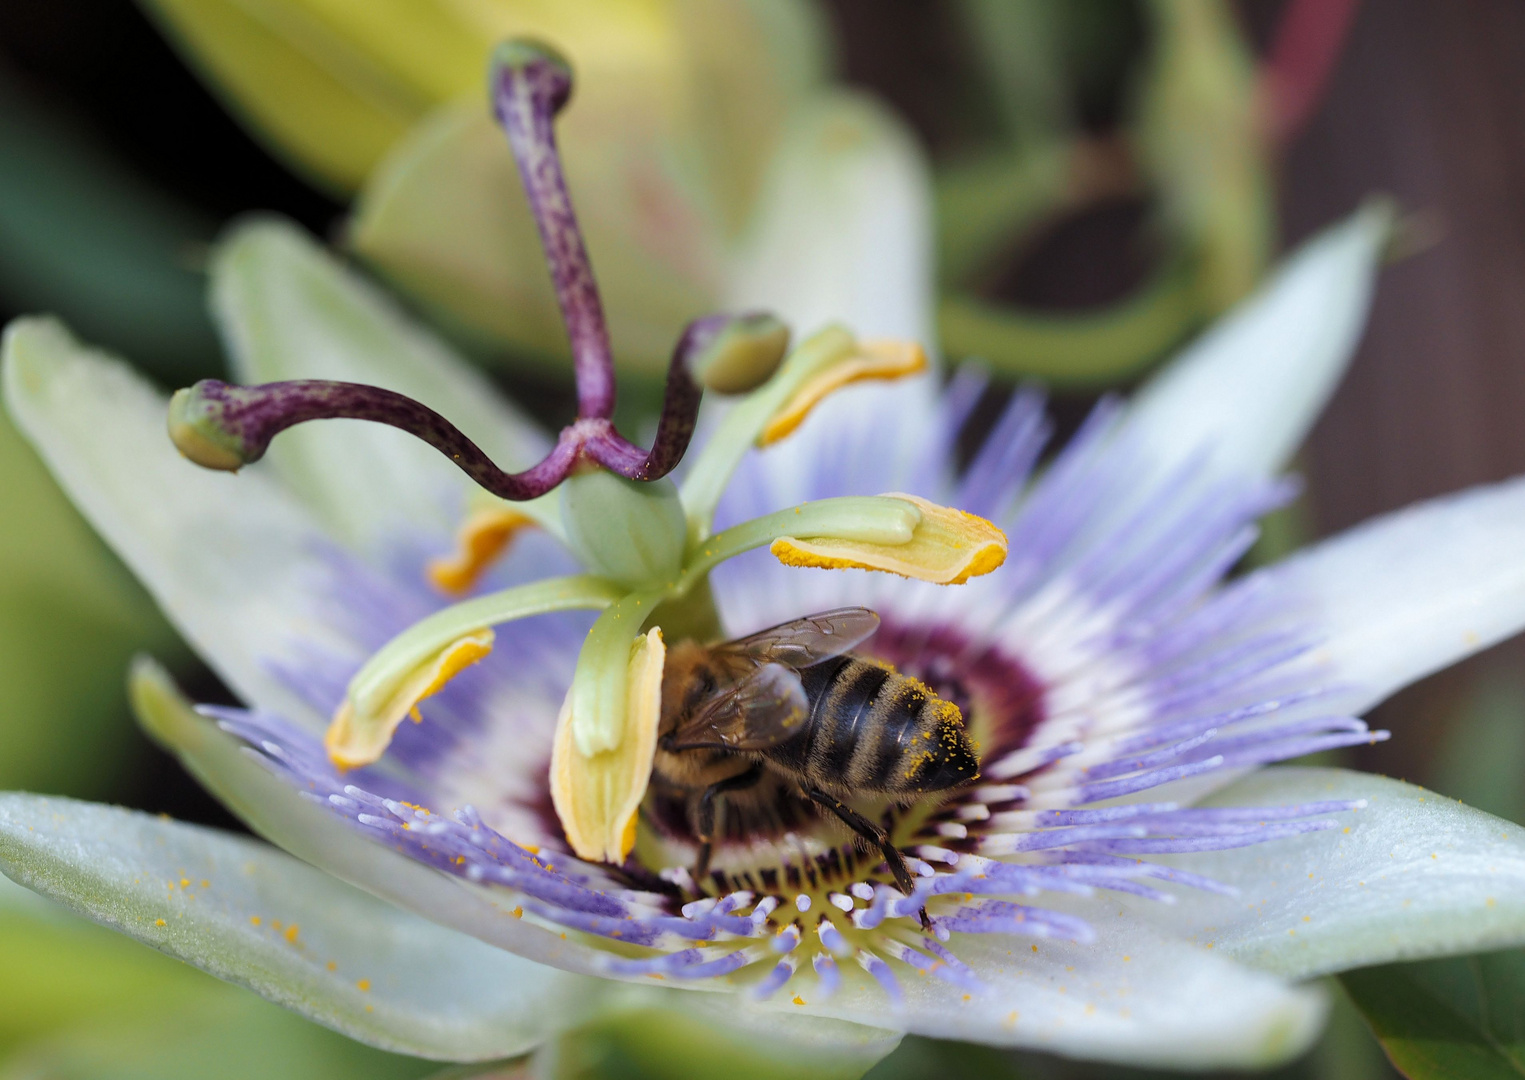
<point>876,836</point>
<point>709,804</point>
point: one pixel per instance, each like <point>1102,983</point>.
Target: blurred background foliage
<point>1109,176</point>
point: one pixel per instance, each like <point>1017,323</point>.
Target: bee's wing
<point>810,640</point>
<point>766,708</point>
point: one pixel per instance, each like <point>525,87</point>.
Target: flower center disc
<point>771,840</point>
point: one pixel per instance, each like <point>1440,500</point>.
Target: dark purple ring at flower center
<point>1001,701</point>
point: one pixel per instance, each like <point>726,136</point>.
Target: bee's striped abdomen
<point>873,729</point>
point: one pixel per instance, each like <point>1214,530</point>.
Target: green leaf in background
<point>923,1059</point>
<point>84,238</point>
<point>80,1001</point>
<point>1201,142</point>
<point>332,85</point>
<point>1461,1018</point>
<point>1074,351</point>
<point>71,617</point>
<point>1481,758</point>
<point>1019,49</point>
<point>1194,143</point>
<point>678,1043</point>
<point>79,235</point>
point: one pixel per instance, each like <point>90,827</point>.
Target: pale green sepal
<point>287,309</point>
<point>1412,875</point>
<point>229,905</point>
<point>1247,391</point>
<point>629,531</point>
<point>275,810</point>
<point>1201,141</point>
<point>401,656</point>
<point>703,1036</point>
<point>70,618</point>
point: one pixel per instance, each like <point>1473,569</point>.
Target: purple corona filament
<point>225,427</point>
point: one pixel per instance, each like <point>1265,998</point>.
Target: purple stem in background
<point>223,427</point>
<point>530,84</point>
<point>680,411</point>
<point>244,419</point>
<point>248,417</point>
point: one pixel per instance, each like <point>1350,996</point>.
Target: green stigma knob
<point>545,72</point>
<point>197,430</point>
<point>733,354</point>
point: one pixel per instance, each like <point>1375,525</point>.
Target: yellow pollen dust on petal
<point>482,538</point>
<point>353,739</point>
<point>597,796</point>
<point>948,548</point>
<point>878,359</point>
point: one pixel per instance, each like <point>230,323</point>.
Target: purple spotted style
<point>529,84</point>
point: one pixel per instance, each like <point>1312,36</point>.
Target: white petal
<point>1133,995</point>
<point>1411,592</point>
<point>843,229</point>
<point>231,559</point>
<point>289,310</point>
<point>275,810</point>
<point>1412,875</point>
<point>1250,388</point>
<point>249,914</point>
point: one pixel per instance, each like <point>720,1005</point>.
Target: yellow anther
<point>597,796</point>
<point>881,359</point>
<point>481,539</point>
<point>353,740</point>
<point>948,548</point>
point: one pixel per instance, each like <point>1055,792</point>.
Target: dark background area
<point>1427,103</point>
